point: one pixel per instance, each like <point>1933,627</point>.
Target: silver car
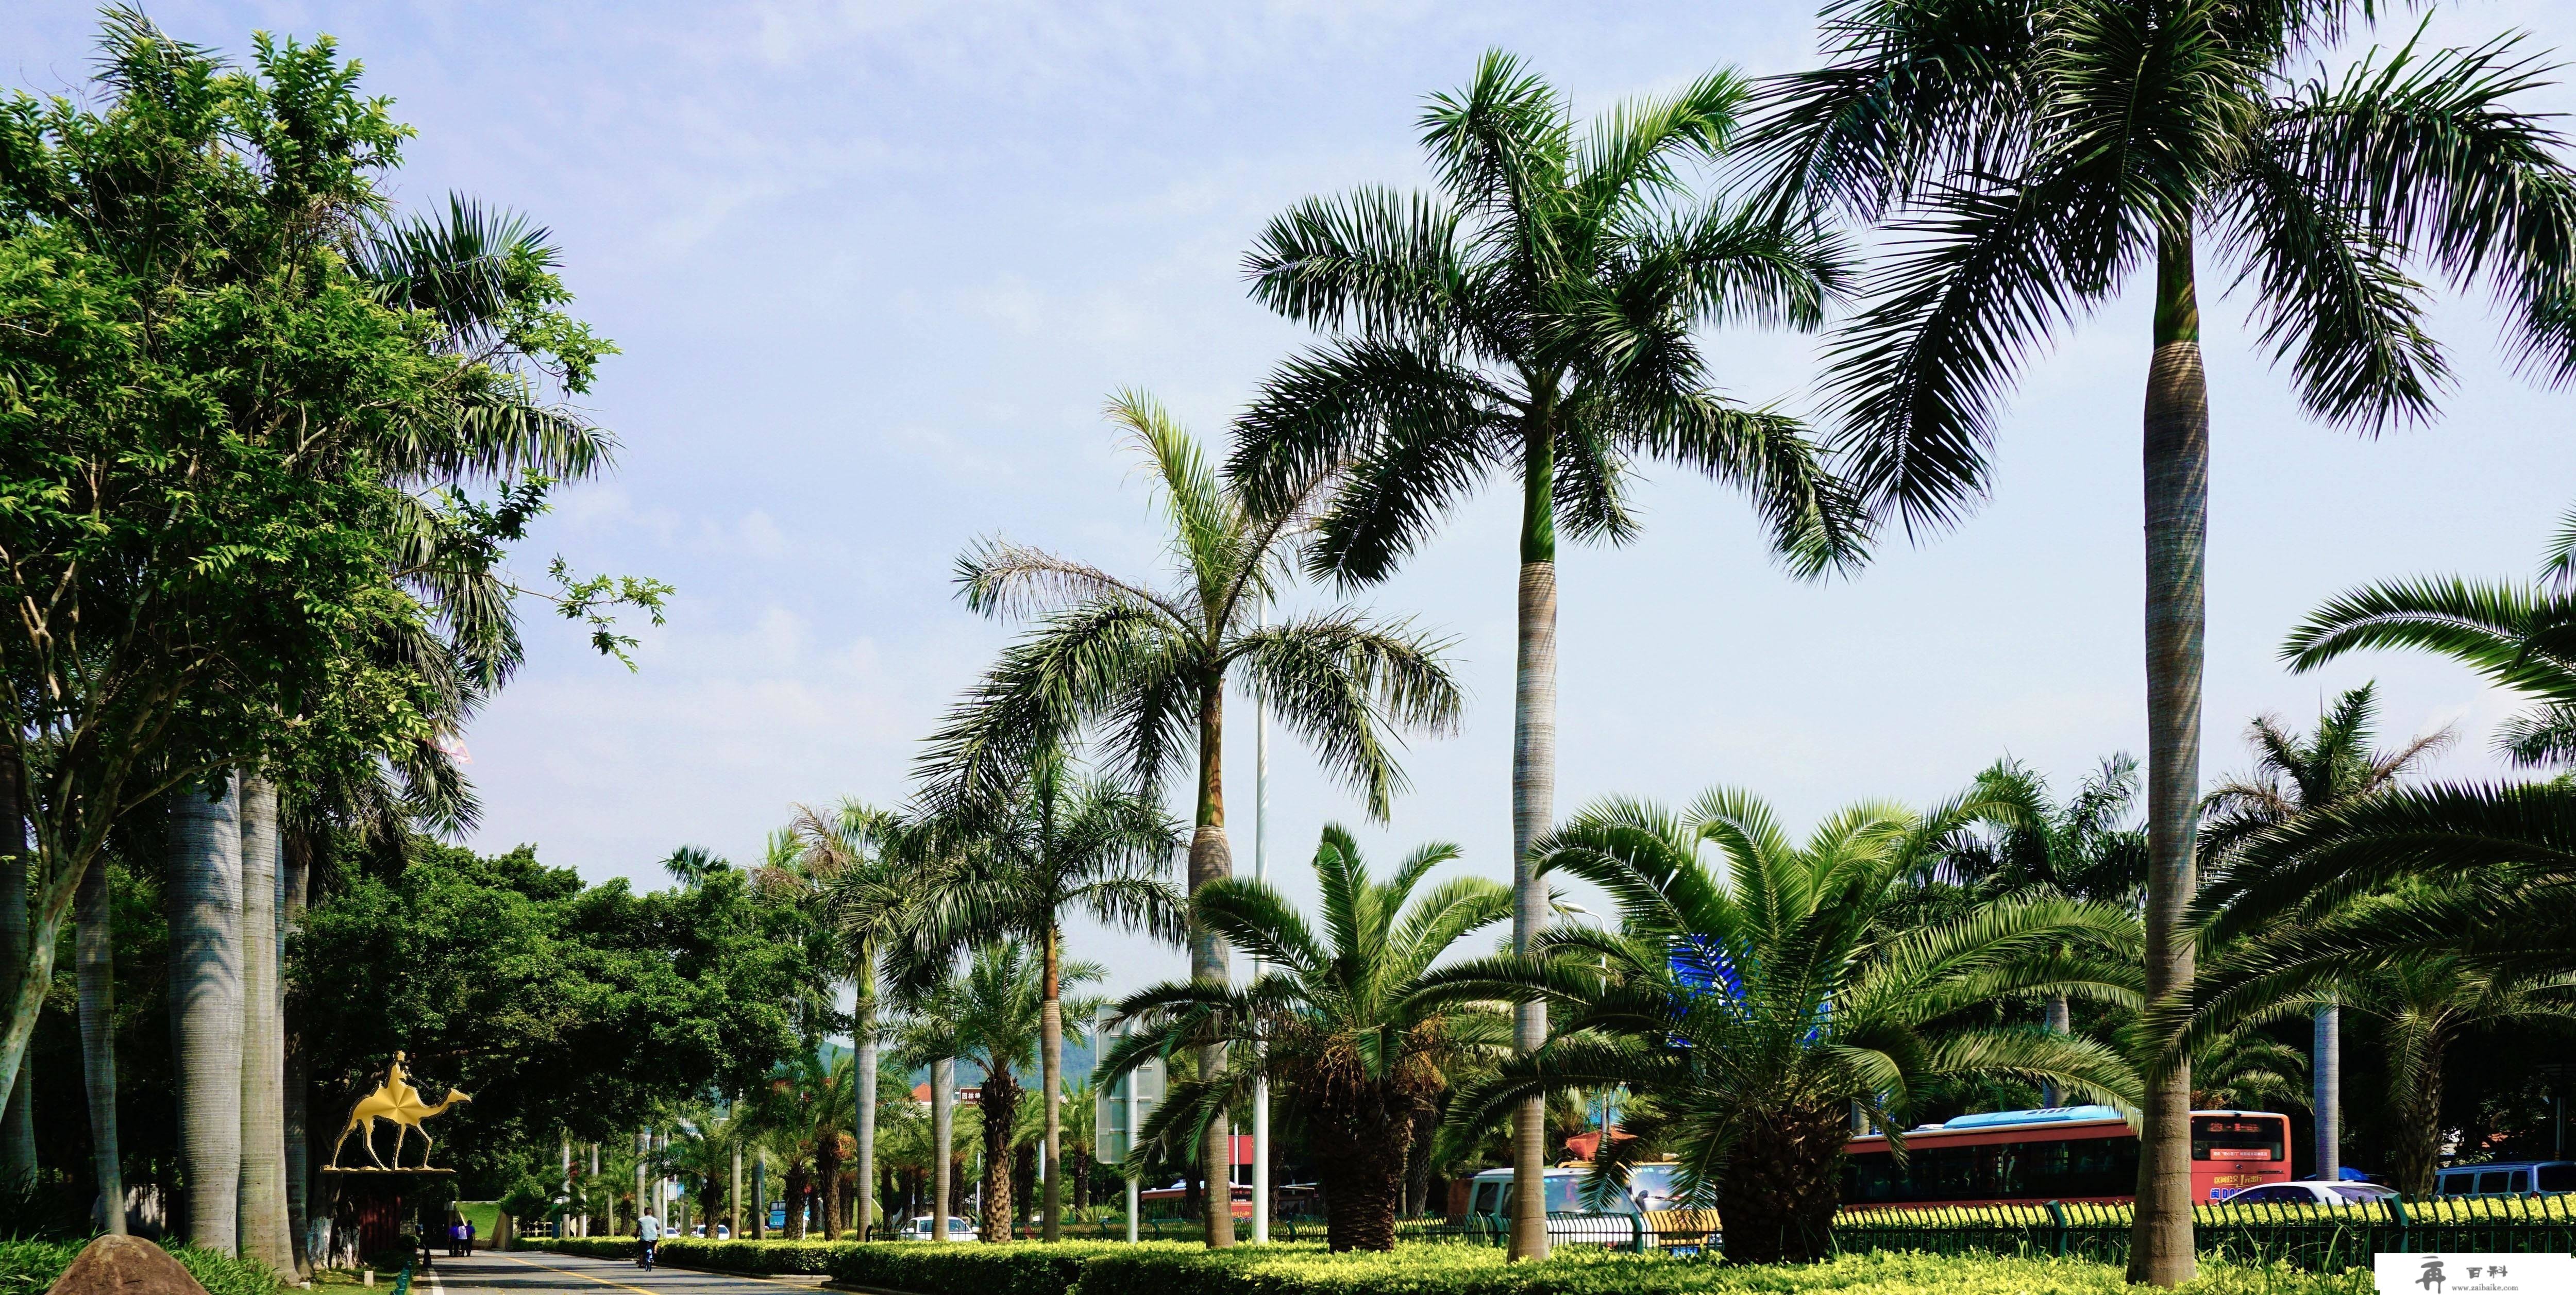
<point>2313,1192</point>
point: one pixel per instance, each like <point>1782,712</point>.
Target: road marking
<point>568,1272</point>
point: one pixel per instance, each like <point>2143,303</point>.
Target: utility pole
<point>1260,873</point>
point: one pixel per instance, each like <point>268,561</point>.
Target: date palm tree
<point>1533,319</point>
<point>999,1004</point>
<point>1339,1022</point>
<point>2294,775</point>
<point>1060,844</point>
<point>1758,998</point>
<point>2036,158</point>
<point>1146,668</point>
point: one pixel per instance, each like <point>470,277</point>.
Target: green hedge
<point>1169,1268</point>
<point>28,1267</point>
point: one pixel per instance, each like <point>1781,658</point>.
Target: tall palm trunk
<point>206,1003</point>
<point>297,890</point>
<point>943,1140</point>
<point>2325,1071</point>
<point>864,1031</point>
<point>1212,860</point>
<point>264,1233</point>
<point>2056,1019</point>
<point>643,1201</point>
<point>96,964</point>
<point>17,1117</point>
<point>1051,1077</point>
<point>827,1178</point>
<point>2177,527</point>
<point>1533,810</point>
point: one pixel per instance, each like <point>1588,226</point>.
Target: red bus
<point>2066,1153</point>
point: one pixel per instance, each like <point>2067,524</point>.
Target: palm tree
<point>2294,776</point>
<point>1759,998</point>
<point>205,897</point>
<point>2424,1006</point>
<point>1533,318</point>
<point>265,1234</point>
<point>931,1034</point>
<point>2082,849</point>
<point>1340,1024</point>
<point>997,1003</point>
<point>870,900</point>
<point>95,969</point>
<point>1150,667</point>
<point>2034,157</point>
<point>1060,844</point>
<point>2522,637</point>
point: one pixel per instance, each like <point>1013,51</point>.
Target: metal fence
<point>2321,1238</point>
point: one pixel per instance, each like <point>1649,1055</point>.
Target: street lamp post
<point>1260,873</point>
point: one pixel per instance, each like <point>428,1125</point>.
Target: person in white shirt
<point>649,1231</point>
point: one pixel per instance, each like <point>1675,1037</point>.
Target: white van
<point>1620,1223</point>
<point>2507,1178</point>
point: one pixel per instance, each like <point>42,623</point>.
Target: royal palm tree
<point>869,899</point>
<point>205,882</point>
<point>930,1034</point>
<point>1059,844</point>
<point>2294,775</point>
<point>2037,158</point>
<point>1339,1023</point>
<point>1147,668</point>
<point>1759,999</point>
<point>1533,319</point>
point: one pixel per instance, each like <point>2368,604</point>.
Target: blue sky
<point>874,268</point>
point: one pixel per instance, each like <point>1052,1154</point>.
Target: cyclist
<point>649,1232</point>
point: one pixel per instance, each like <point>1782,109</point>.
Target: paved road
<point>522,1273</point>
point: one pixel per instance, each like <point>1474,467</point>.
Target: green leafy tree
<point>1339,1020</point>
<point>1760,999</point>
<point>1146,669</point>
<point>1060,844</point>
<point>2033,161</point>
<point>1533,319</point>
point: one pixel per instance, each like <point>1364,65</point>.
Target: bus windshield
<point>2222,1137</point>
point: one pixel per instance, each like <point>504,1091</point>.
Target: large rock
<point>124,1266</point>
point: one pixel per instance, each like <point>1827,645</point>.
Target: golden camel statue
<point>396,1101</point>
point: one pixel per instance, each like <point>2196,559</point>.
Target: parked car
<point>958,1229</point>
<point>2506,1178</point>
<point>2309,1191</point>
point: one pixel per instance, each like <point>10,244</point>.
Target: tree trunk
<point>1051,1079</point>
<point>1359,1162</point>
<point>298,860</point>
<point>96,966</point>
<point>1000,1108</point>
<point>943,1139</point>
<point>1210,860</point>
<point>2057,1019</point>
<point>827,1178</point>
<point>1782,1185</point>
<point>643,1158</point>
<point>206,1004</point>
<point>2325,1071</point>
<point>17,1114</point>
<point>863,1204</point>
<point>1417,1160</point>
<point>1533,809</point>
<point>759,1199</point>
<point>733,1221</point>
<point>796,1181</point>
<point>2177,526</point>
<point>264,1232</point>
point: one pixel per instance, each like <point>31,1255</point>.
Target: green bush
<point>1010,1268</point>
<point>760,1258</point>
<point>28,1267</point>
<point>1481,1270</point>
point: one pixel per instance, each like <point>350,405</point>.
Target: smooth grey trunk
<point>264,1232</point>
<point>206,1004</point>
<point>95,965</point>
<point>2057,1019</point>
<point>1051,1074</point>
<point>1211,859</point>
<point>943,1113</point>
<point>17,1115</point>
<point>2177,530</point>
<point>735,1223</point>
<point>1533,811</point>
<point>643,1157</point>
<point>863,1204</point>
<point>296,886</point>
<point>2325,1067</point>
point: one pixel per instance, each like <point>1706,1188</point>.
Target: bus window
<point>2221,1138</point>
<point>2492,1183</point>
<point>2521,1181</point>
<point>2558,1178</point>
<point>2457,1184</point>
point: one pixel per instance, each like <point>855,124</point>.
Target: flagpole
<point>1260,870</point>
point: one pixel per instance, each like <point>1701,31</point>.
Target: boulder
<point>124,1266</point>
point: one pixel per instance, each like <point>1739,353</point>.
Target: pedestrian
<point>648,1234</point>
<point>469,1236</point>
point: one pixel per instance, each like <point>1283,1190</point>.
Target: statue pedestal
<point>378,1200</point>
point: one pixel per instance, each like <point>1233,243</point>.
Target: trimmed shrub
<point>1009,1268</point>
<point>28,1267</point>
<point>1477,1270</point>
